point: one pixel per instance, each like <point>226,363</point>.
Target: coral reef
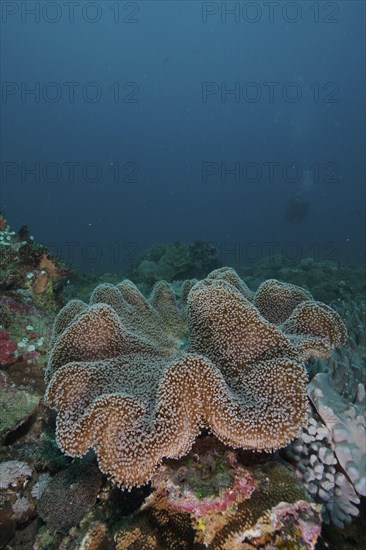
<point>328,280</point>
<point>7,348</point>
<point>214,495</point>
<point>287,526</point>
<point>230,501</point>
<point>16,406</point>
<point>29,268</point>
<point>219,487</point>
<point>208,481</point>
<point>347,424</point>
<point>344,287</point>
<point>175,261</point>
<point>258,520</point>
<point>96,538</point>
<point>14,474</point>
<point>25,331</point>
<point>157,526</point>
<point>330,453</point>
<point>137,379</point>
<point>14,506</point>
<point>346,367</point>
<point>69,496</point>
<point>316,465</point>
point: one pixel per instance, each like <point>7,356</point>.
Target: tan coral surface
<point>136,379</point>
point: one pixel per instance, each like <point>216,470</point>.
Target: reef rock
<point>17,405</point>
<point>214,498</point>
<point>69,496</point>
<point>30,267</point>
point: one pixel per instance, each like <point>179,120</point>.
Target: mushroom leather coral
<point>136,379</point>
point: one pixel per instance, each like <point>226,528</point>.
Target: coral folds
<point>136,379</point>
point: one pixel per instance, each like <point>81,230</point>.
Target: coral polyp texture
<point>136,379</point>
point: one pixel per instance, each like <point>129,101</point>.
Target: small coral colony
<point>195,414</point>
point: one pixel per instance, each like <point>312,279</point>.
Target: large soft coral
<point>137,379</point>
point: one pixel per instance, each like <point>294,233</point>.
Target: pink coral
<point>208,481</point>
<point>7,348</point>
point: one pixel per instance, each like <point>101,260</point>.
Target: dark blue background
<point>169,132</point>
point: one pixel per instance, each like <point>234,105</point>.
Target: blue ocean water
<point>126,124</point>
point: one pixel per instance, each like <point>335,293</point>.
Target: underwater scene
<point>182,275</point>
